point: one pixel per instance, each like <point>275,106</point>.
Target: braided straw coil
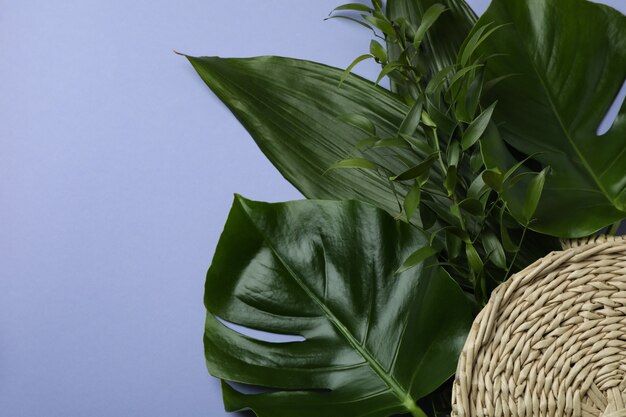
<point>552,339</point>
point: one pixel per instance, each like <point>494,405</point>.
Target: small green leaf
<point>412,200</point>
<point>444,123</point>
<point>420,144</point>
<point>383,25</point>
<point>417,258</point>
<point>352,65</point>
<point>476,161</point>
<point>473,258</point>
<point>451,179</point>
<point>436,82</point>
<point>494,249</point>
<point>533,194</point>
<point>360,122</point>
<point>416,171</point>
<point>515,167</point>
<point>459,75</point>
<point>456,211</point>
<point>387,69</point>
<point>472,206</point>
<point>493,178</point>
<point>427,120</point>
<point>471,43</point>
<point>428,19</point>
<point>476,129</point>
<point>475,41</point>
<point>478,189</point>
<point>354,163</point>
<point>378,51</point>
<point>519,177</point>
<point>468,101</point>
<point>353,6</point>
<point>454,153</point>
<point>453,245</point>
<point>412,119</point>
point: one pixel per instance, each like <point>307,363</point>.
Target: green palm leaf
<point>295,112</point>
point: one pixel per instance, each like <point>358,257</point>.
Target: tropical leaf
<point>567,59</point>
<point>304,123</point>
<point>443,39</point>
<point>376,340</point>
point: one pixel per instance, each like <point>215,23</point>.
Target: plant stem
<point>393,189</point>
<point>414,408</point>
<point>521,242</point>
<point>438,150</point>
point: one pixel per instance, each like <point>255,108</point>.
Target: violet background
<point>117,169</point>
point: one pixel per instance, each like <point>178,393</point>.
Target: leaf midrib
<point>557,115</point>
<point>386,377</point>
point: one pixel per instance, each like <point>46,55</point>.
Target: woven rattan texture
<point>552,339</point>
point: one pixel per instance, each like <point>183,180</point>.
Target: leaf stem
<point>395,193</point>
<point>413,408</point>
<point>438,150</point>
<point>519,246</point>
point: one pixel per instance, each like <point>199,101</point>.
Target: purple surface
<point>117,171</point>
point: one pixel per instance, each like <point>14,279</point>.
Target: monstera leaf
<point>444,39</point>
<point>293,109</point>
<point>566,62</point>
<point>375,340</point>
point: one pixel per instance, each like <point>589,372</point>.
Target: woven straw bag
<point>552,339</point>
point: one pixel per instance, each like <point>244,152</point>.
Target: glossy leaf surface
<point>375,340</point>
<point>566,62</point>
<point>304,123</point>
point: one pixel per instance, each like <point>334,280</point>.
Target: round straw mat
<point>552,339</point>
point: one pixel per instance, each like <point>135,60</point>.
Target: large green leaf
<point>568,61</point>
<point>375,340</point>
<point>444,39</point>
<point>295,112</point>
<point>292,109</point>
